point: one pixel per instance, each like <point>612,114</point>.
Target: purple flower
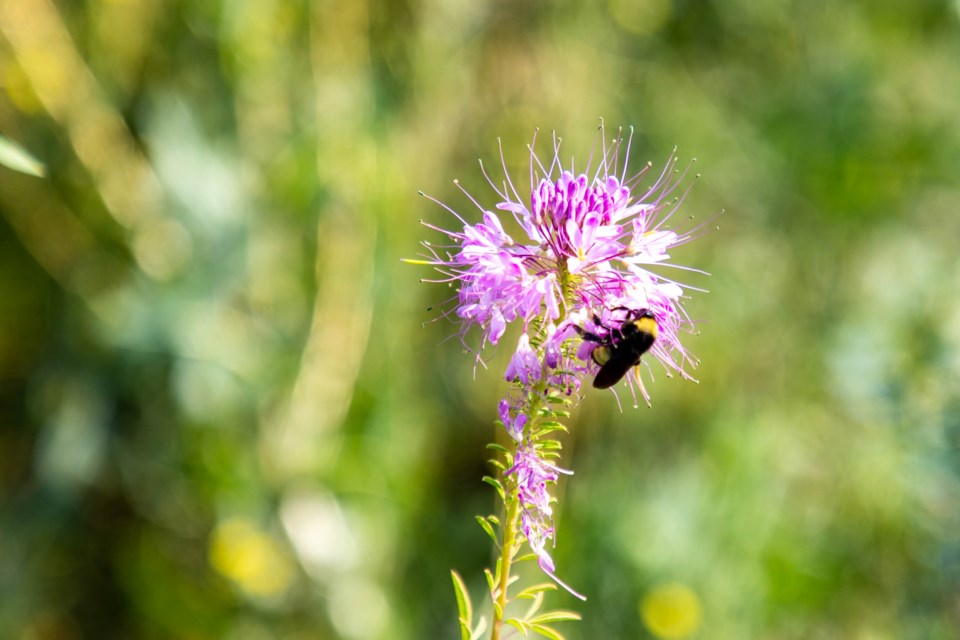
<point>513,421</point>
<point>533,475</point>
<point>583,245</point>
<point>524,366</point>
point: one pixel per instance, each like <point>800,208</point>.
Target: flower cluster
<point>533,475</point>
<point>577,260</point>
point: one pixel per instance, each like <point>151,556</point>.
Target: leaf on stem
<point>520,625</point>
<point>491,582</point>
<point>493,482</point>
<point>550,445</point>
<point>534,606</point>
<point>464,607</point>
<point>486,526</point>
<point>531,592</point>
<point>547,632</point>
<point>556,616</point>
<point>547,427</point>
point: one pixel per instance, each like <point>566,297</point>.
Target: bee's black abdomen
<point>607,377</point>
<point>623,349</point>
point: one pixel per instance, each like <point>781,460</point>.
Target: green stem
<point>507,551</point>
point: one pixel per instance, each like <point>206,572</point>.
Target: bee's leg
<point>597,320</point>
<point>586,335</point>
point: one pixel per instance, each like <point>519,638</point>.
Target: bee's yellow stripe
<point>647,325</point>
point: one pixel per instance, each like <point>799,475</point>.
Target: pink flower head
<point>584,243</point>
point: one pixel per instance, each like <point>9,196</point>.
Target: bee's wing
<point>615,368</point>
<point>621,358</point>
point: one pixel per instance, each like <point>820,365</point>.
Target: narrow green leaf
<point>556,616</point>
<point>464,607</point>
<point>525,557</point>
<point>531,592</point>
<point>494,519</point>
<point>497,610</point>
<point>547,632</point>
<point>15,157</point>
<point>486,526</point>
<point>491,583</point>
<point>551,427</point>
<point>534,606</point>
<point>520,625</point>
<point>498,447</point>
<point>497,464</point>
<point>549,445</point>
<point>550,424</point>
<point>493,482</point>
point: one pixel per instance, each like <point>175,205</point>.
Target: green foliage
<point>212,359</point>
<point>465,610</point>
<point>464,607</point>
<point>548,425</point>
<point>536,622</point>
<point>493,482</point>
<point>488,526</point>
<point>531,592</point>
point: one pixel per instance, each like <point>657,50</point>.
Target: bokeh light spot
<point>250,558</point>
<point>359,609</point>
<point>671,611</point>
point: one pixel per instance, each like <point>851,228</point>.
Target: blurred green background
<point>222,416</point>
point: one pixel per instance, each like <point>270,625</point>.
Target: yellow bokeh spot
<point>671,611</point>
<point>250,558</point>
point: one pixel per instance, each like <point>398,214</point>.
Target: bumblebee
<point>622,347</point>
